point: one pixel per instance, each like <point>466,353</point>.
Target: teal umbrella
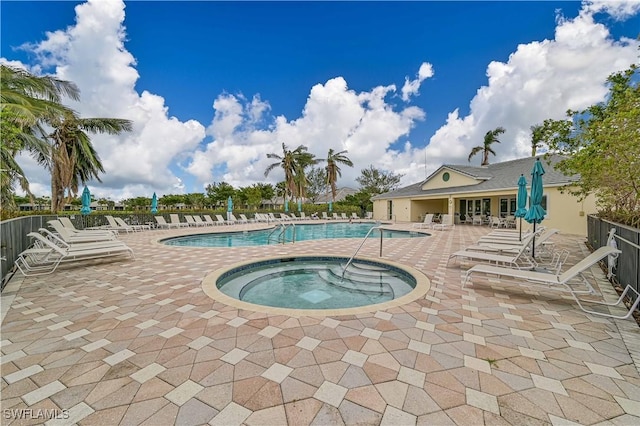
<point>286,205</point>
<point>154,204</point>
<point>522,201</point>
<point>86,202</point>
<point>330,206</point>
<point>536,213</point>
<point>229,207</point>
<point>299,206</point>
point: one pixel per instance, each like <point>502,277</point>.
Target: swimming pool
<point>303,232</point>
<point>315,285</point>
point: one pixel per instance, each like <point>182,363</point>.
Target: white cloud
<point>334,117</point>
<point>541,79</point>
<point>91,53</point>
<point>411,87</point>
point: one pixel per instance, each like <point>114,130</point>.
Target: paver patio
<point>138,342</point>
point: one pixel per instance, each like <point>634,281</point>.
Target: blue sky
<point>214,86</point>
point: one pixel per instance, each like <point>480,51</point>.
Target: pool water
<point>315,283</point>
<point>303,232</point>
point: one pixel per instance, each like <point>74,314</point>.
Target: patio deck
<point>138,342</point>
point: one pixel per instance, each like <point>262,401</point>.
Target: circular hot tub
<point>310,285</point>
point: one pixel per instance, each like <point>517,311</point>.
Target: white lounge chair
<point>426,223</point>
<point>135,228</point>
<point>344,216</point>
<point>354,216</point>
<point>209,220</point>
<point>513,260</point>
<point>190,221</point>
<point>243,219</point>
<point>446,222</point>
<point>324,216</point>
<point>162,223</point>
<point>514,246</point>
<point>221,220</point>
<point>562,281</point>
<point>46,255</point>
<point>175,219</point>
<point>115,226</point>
<point>335,216</point>
<point>70,227</point>
<point>78,236</point>
<point>246,219</point>
<point>198,220</point>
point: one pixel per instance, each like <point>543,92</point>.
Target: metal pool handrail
<point>360,246</point>
<point>283,227</point>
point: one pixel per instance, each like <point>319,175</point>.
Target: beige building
<point>465,191</point>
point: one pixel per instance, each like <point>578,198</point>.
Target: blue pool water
<point>303,232</point>
<point>315,283</point>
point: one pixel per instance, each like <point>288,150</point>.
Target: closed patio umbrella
<point>286,205</point>
<point>229,207</point>
<point>86,202</point>
<point>522,201</point>
<point>330,206</point>
<point>299,206</point>
<point>536,213</point>
<point>154,204</point>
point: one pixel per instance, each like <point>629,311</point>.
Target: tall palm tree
<point>537,137</point>
<point>293,164</point>
<point>333,170</point>
<point>304,159</point>
<point>26,102</point>
<point>490,138</point>
<point>72,158</point>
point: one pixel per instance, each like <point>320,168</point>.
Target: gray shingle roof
<point>493,177</point>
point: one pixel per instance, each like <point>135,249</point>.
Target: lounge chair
<point>561,281</point>
<point>446,222</point>
<point>175,219</point>
<point>344,216</point>
<point>369,215</point>
<point>245,219</point>
<point>115,226</point>
<point>162,223</point>
<point>512,260</point>
<point>77,237</point>
<point>198,220</point>
<point>190,221</point>
<point>209,220</point>
<point>426,223</point>
<point>354,216</point>
<point>221,220</point>
<point>303,216</point>
<point>284,216</point>
<point>241,220</point>
<point>335,216</point>
<point>45,255</point>
<point>324,216</point>
<point>135,228</point>
<point>514,246</point>
<point>70,227</point>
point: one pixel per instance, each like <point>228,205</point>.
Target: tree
<point>376,181</point>
<point>317,183</point>
<point>304,159</point>
<point>602,145</point>
<point>333,170</point>
<point>490,138</point>
<point>73,159</point>
<point>218,193</point>
<point>26,102</point>
<point>537,137</point>
<point>292,163</point>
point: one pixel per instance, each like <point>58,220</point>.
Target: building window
<point>445,176</point>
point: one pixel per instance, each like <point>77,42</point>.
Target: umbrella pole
<point>533,242</point>
<point>520,229</point>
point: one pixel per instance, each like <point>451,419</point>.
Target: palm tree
<point>26,101</point>
<point>304,159</point>
<point>537,137</point>
<point>291,162</point>
<point>333,170</point>
<point>72,158</point>
<point>489,138</point>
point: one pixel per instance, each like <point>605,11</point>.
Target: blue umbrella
<point>229,207</point>
<point>286,205</point>
<point>330,206</point>
<point>154,204</point>
<point>522,201</point>
<point>86,202</point>
<point>299,206</point>
<point>536,213</point>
